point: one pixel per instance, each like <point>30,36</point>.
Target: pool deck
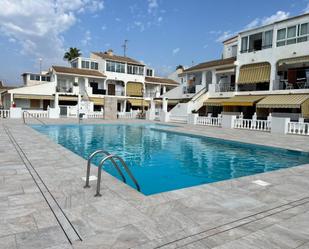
<point>43,203</point>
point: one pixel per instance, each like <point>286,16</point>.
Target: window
<point>244,44</point>
<point>85,64</point>
<point>43,78</point>
<point>149,72</point>
<point>293,34</point>
<point>94,65</point>
<point>74,64</point>
<point>37,77</point>
<point>281,36</point>
<point>32,77</point>
<point>48,78</point>
<point>133,69</point>
<point>234,50</point>
<point>112,66</point>
<point>268,39</point>
<point>255,42</point>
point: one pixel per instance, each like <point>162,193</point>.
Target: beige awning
<point>283,101</point>
<point>254,73</point>
<point>139,102</point>
<point>134,89</point>
<point>289,61</point>
<point>68,98</point>
<point>33,96</point>
<point>214,102</point>
<point>96,100</point>
<point>246,100</point>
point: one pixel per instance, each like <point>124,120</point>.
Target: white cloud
<point>104,27</point>
<point>140,25</point>
<point>175,51</point>
<point>152,6</point>
<point>160,19</point>
<point>38,25</point>
<point>224,35</point>
<point>278,16</point>
<point>87,38</point>
<point>205,46</point>
<point>117,19</point>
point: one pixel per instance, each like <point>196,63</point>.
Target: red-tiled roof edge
<point>77,71</point>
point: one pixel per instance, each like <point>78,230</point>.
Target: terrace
<point>236,213</point>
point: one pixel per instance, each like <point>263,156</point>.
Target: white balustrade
<point>127,115</point>
<point>4,113</point>
<point>36,114</point>
<point>298,128</point>
<point>209,121</point>
<point>95,115</point>
<point>252,124</point>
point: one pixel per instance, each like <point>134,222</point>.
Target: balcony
<point>64,89</point>
<point>225,87</point>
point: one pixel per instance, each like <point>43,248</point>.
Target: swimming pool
<point>164,160</point>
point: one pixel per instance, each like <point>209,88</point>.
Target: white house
<point>263,70</point>
<point>87,82</point>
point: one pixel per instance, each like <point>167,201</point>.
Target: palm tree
<point>72,54</point>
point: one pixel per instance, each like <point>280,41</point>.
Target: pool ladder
<point>112,158</point>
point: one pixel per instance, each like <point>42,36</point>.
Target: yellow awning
<point>33,96</point>
<point>246,100</point>
<point>134,89</point>
<point>97,101</point>
<point>214,102</point>
<point>289,61</point>
<point>139,102</point>
<point>283,101</point>
<point>254,73</point>
<point>68,98</point>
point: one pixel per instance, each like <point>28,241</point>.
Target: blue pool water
<point>165,160</point>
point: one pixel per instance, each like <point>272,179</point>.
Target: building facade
<point>263,70</point>
<point>87,82</point>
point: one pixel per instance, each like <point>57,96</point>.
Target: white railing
<point>4,113</point>
<point>252,124</point>
<point>209,121</point>
<point>298,128</point>
<point>179,118</point>
<point>127,115</point>
<point>95,115</point>
<point>36,114</point>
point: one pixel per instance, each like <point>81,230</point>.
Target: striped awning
<point>139,102</point>
<point>33,96</point>
<point>214,102</point>
<point>96,100</point>
<point>289,61</point>
<point>283,101</point>
<point>134,89</point>
<point>254,73</point>
<point>68,98</point>
<point>246,100</point>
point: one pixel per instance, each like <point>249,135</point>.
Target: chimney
<point>110,52</point>
<point>179,69</point>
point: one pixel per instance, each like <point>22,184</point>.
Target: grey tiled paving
<point>229,214</point>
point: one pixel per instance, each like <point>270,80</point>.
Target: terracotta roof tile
<point>78,71</point>
<point>114,57</point>
<point>213,63</point>
<point>160,80</point>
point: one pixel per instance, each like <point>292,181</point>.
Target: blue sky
<point>161,33</point>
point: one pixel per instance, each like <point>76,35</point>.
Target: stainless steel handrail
<point>125,167</point>
<point>89,162</point>
<point>32,116</point>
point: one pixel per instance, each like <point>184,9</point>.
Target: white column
<point>125,89</point>
<point>204,78</point>
<point>213,77</point>
<point>164,104</point>
<point>124,105</point>
<point>164,89</point>
<point>272,81</point>
<point>86,82</point>
<point>56,101</point>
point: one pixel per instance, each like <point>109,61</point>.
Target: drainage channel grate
<point>63,221</point>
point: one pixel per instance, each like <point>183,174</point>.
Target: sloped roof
<point>78,71</point>
<point>160,80</point>
<point>119,58</point>
<point>213,63</point>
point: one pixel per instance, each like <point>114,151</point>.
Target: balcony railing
<point>300,83</point>
<point>225,87</point>
<point>64,89</point>
<point>188,89</point>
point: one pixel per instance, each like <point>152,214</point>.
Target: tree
<point>72,54</point>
